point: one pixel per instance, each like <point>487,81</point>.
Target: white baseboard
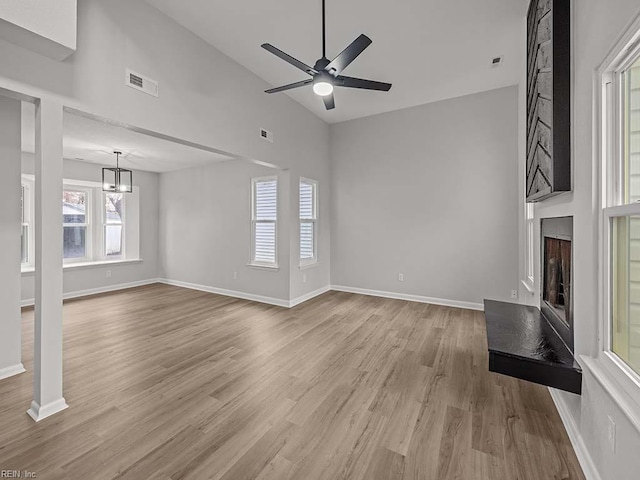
<point>40,412</point>
<point>228,293</point>
<point>11,371</point>
<point>93,291</point>
<point>586,462</point>
<point>308,296</point>
<point>411,298</point>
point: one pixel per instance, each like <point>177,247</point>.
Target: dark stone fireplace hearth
<point>536,344</point>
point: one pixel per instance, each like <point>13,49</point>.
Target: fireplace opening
<point>556,302</point>
<point>557,277</point>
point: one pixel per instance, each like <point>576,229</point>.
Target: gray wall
<point>205,229</point>
<point>430,192</point>
<point>89,278</point>
<point>10,222</point>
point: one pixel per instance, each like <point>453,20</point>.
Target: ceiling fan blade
<point>348,55</point>
<point>329,101</point>
<point>352,82</point>
<point>289,59</point>
<point>290,86</point>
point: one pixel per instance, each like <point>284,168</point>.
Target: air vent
<point>496,62</point>
<point>266,135</point>
<point>142,83</point>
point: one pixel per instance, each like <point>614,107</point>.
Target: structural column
<point>10,227</point>
<point>47,365</point>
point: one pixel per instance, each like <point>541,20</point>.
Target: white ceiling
<point>94,142</point>
<point>429,50</point>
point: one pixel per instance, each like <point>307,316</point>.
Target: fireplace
<point>556,302</point>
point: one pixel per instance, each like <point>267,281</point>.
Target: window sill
<point>83,265</point>
<point>622,389</point>
<point>258,266</point>
<point>304,266</point>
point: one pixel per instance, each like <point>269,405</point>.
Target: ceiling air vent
<point>266,135</point>
<point>142,83</point>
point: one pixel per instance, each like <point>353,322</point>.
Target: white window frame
<point>610,156</point>
<point>253,262</point>
<point>27,221</point>
<point>103,233</point>
<point>529,244</point>
<point>89,234</point>
<point>314,221</point>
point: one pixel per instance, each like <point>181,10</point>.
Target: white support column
<point>47,359</point>
<point>10,227</point>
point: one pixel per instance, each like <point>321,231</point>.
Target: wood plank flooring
<point>169,383</point>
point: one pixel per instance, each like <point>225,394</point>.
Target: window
<point>25,237</point>
<point>621,202</point>
<point>264,218</point>
<point>529,243</point>
<point>308,218</point>
<point>113,215</point>
<point>75,214</point>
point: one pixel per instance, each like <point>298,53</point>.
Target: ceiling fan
<point>325,74</point>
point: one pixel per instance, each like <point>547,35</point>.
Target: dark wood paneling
<point>548,99</point>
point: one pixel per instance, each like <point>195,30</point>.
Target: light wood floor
<point>169,383</point>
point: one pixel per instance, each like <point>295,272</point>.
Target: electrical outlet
<point>612,434</point>
<point>107,274</point>
<point>514,294</point>
<point>401,277</point>
<point>235,275</point>
<point>304,278</point>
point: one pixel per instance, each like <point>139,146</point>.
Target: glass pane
<point>74,242</point>
<point>113,240</point>
<point>306,201</point>
<point>265,242</point>
<point>114,204</point>
<point>631,131</point>
<point>74,207</point>
<point>306,241</point>
<point>625,298</point>
<point>25,244</point>
<point>266,200</point>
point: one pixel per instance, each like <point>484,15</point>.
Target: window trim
<point>88,224</point>
<point>314,221</point>
<point>608,134</point>
<point>252,262</point>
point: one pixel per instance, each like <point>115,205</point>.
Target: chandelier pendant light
<point>117,179</point>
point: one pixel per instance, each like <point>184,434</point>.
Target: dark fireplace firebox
<point>556,300</point>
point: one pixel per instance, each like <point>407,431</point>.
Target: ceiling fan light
<point>322,88</point>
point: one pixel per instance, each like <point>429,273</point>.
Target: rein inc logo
<point>17,474</point>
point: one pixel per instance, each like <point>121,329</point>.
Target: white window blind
<point>264,220</point>
<point>308,218</point>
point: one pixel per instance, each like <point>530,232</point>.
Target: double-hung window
<point>25,236</point>
<point>308,221</point>
<point>621,209</point>
<point>76,224</point>
<point>113,224</point>
<point>264,221</point>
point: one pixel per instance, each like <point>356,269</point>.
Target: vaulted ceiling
<point>429,49</point>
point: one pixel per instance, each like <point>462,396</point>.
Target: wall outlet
<point>235,275</point>
<point>514,294</point>
<point>611,434</point>
<point>107,274</point>
<point>401,277</point>
<point>304,278</point>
